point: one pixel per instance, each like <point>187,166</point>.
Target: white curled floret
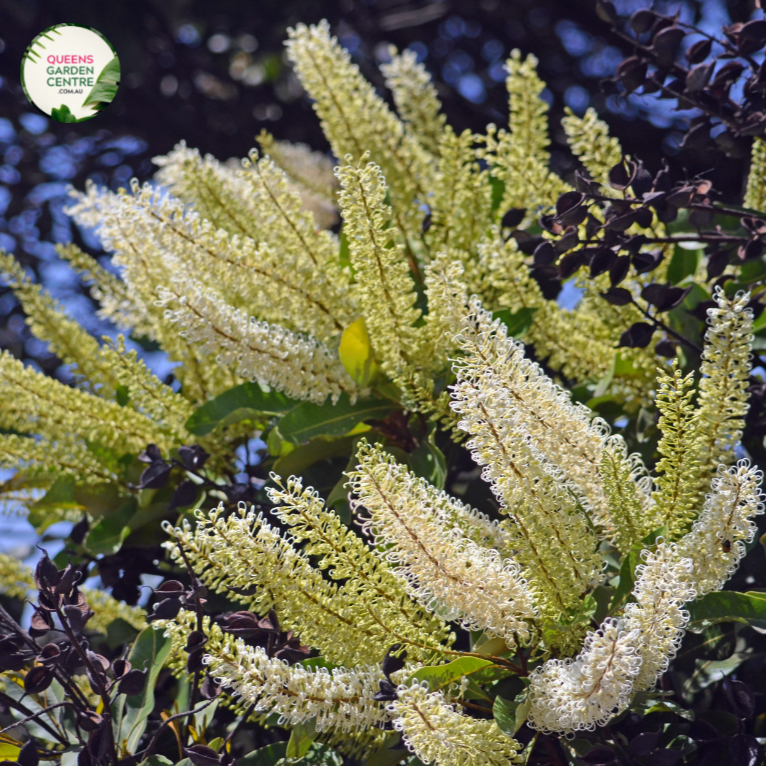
<point>341,698</point>
<point>571,695</point>
<point>436,733</point>
<point>717,540</point>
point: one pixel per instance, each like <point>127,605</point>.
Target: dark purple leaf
<point>644,217</point>
<point>209,688</point>
<point>201,755</point>
<point>132,682</point>
<point>716,264</point>
<point>170,587</point>
<point>194,662</point>
<point>666,348</point>
<point>550,224</point>
<point>40,623</point>
<point>644,743</point>
<point>751,250</point>
<point>526,242</point>
<point>195,640</point>
<point>193,457</point>
<point>606,11</point>
<point>666,757</point>
<point>699,51</point>
<point>617,296</point>
<point>601,261</point>
<point>664,296</point>
<point>696,139</point>
<point>155,476</point>
<point>185,494</point>
<point>665,45</point>
<point>151,454</point>
<point>644,262</point>
<point>38,679</point>
<point>89,720</point>
<point>167,609</point>
<point>745,750</point>
<point>568,201</point>
<point>544,254</point>
<point>513,217</point>
<point>46,573</point>
<point>740,698</point>
<point>638,335</point>
<point>619,270</point>
<point>548,279</point>
<point>387,692</point>
<point>601,755</point>
<point>571,262</point>
<point>76,618</point>
<point>393,662</point>
<point>621,175</point>
<point>50,654</point>
<point>28,754</point>
<point>427,222</point>
<point>631,72</point>
<point>699,76</point>
<point>642,21</point>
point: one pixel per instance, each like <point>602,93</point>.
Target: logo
<point>70,72</point>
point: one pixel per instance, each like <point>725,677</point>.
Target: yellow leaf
<point>355,353</point>
<point>9,752</point>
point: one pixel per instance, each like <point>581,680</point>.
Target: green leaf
<point>298,460</point>
<point>628,568</point>
<point>320,754</point>
<point>683,264</point>
<point>264,756</point>
<point>59,500</point>
<point>429,462</point>
<point>156,760</point>
<point>498,192</point>
<point>517,323</point>
<point>62,114</point>
<point>148,653</point>
<point>728,606</point>
<point>439,676</point>
<point>107,535</point>
<point>300,741</point>
<point>510,715</point>
<point>385,756</point>
<point>307,419</point>
<point>245,402</point>
<point>105,89</point>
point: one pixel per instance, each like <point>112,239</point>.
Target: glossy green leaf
<point>683,264</point>
<point>105,89</point>
<point>517,323</point>
<point>629,563</point>
<point>298,460</point>
<point>307,420</point>
<point>58,501</point>
<point>245,402</point>
<point>149,652</point>
<point>439,676</point>
<point>300,740</point>
<point>385,756</point>
<point>156,760</point>
<point>270,755</point>
<point>107,535</point>
<point>429,462</point>
<point>510,715</point>
<point>728,606</point>
<point>62,114</point>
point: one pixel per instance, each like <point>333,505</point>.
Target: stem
<point>236,729</point>
<point>102,689</point>
<point>150,747</point>
<point>660,324</point>
<point>8,700</point>
<point>33,716</point>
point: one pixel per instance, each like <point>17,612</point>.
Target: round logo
<point>70,72</point>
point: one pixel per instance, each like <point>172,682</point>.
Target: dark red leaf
<point>740,698</point>
<point>601,755</point>
<point>38,679</point>
<point>699,76</point>
<point>513,217</point>
<point>601,262</point>
<point>665,45</point>
<point>89,720</point>
<point>638,335</point>
<point>394,660</point>
<point>642,21</point>
<point>132,682</point>
<point>617,296</point>
<point>28,754</point>
<point>544,254</point>
<point>201,755</point>
<point>699,51</point>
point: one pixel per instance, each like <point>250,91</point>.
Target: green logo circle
<point>70,72</point>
